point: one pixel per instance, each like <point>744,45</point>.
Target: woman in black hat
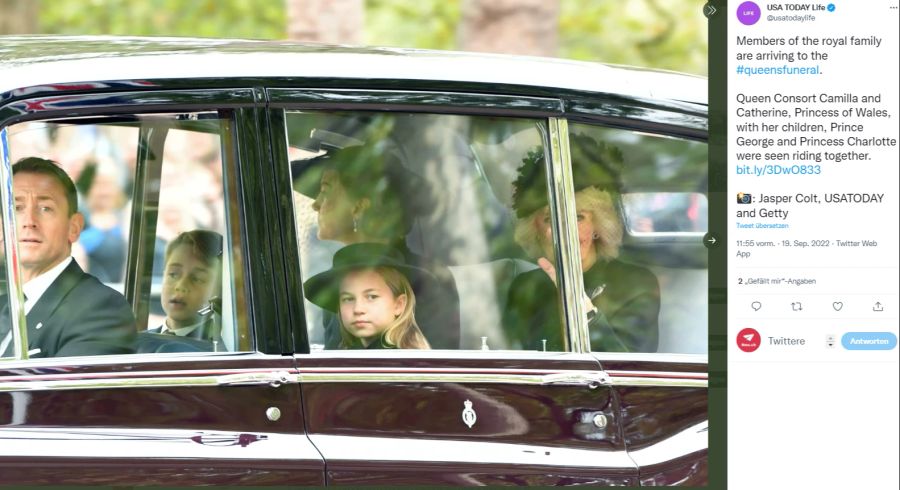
<point>622,299</point>
<point>370,288</point>
<point>360,194</point>
<point>364,195</point>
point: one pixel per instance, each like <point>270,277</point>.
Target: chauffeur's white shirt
<point>36,287</point>
<point>33,291</point>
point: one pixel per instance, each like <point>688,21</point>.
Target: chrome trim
<point>673,382</point>
<point>627,373</point>
<point>154,444</point>
<point>661,357</point>
<point>356,355</point>
<point>689,441</point>
<point>399,355</point>
<point>458,370</point>
<point>565,231</point>
<point>468,376</point>
<point>327,98</point>
<point>590,379</point>
<point>134,359</point>
<point>129,374</point>
<point>271,378</point>
<point>349,355</point>
<point>471,354</point>
<point>248,377</point>
<point>356,448</point>
<point>16,300</point>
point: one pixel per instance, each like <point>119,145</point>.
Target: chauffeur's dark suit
<point>79,316</point>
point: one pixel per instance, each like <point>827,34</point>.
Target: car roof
<point>31,61</point>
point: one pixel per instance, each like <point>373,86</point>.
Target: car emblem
<point>468,414</point>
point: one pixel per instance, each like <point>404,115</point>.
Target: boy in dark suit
<point>192,284</point>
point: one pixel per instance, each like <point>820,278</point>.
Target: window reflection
<point>438,189</point>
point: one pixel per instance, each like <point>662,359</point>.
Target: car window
<point>6,292</point>
<point>648,277</point>
<point>392,203</point>
<point>157,231</point>
<point>665,212</point>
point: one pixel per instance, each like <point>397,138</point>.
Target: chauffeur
<point>69,312</point>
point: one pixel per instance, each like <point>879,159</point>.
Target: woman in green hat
<point>622,299</point>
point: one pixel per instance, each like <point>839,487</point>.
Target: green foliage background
<point>668,34</point>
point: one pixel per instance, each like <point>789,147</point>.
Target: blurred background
<point>664,34</point>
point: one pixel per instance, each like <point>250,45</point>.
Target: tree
<point>18,16</point>
<point>326,21</point>
<point>671,35</point>
<point>510,26</point>
<point>259,19</point>
<point>430,24</point>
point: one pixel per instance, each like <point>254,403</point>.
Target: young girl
<point>369,288</point>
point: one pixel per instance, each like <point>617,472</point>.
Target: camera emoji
<point>744,198</point>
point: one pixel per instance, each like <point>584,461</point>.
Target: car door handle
<point>591,379</point>
<point>271,378</point>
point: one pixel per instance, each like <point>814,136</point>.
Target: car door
<point>663,392</point>
<point>484,405</point>
<point>152,165</point>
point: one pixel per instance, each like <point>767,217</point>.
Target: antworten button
<point>869,340</point>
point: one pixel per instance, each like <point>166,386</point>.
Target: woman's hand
<point>548,267</point>
<point>550,270</point>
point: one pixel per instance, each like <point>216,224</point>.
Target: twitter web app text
<point>813,244</point>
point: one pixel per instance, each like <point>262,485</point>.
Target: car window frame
<point>249,177</point>
<point>473,103</point>
<point>680,120</point>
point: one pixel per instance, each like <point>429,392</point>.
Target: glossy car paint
<point>354,417</point>
<point>522,431</point>
<point>664,427</point>
<point>189,420</point>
